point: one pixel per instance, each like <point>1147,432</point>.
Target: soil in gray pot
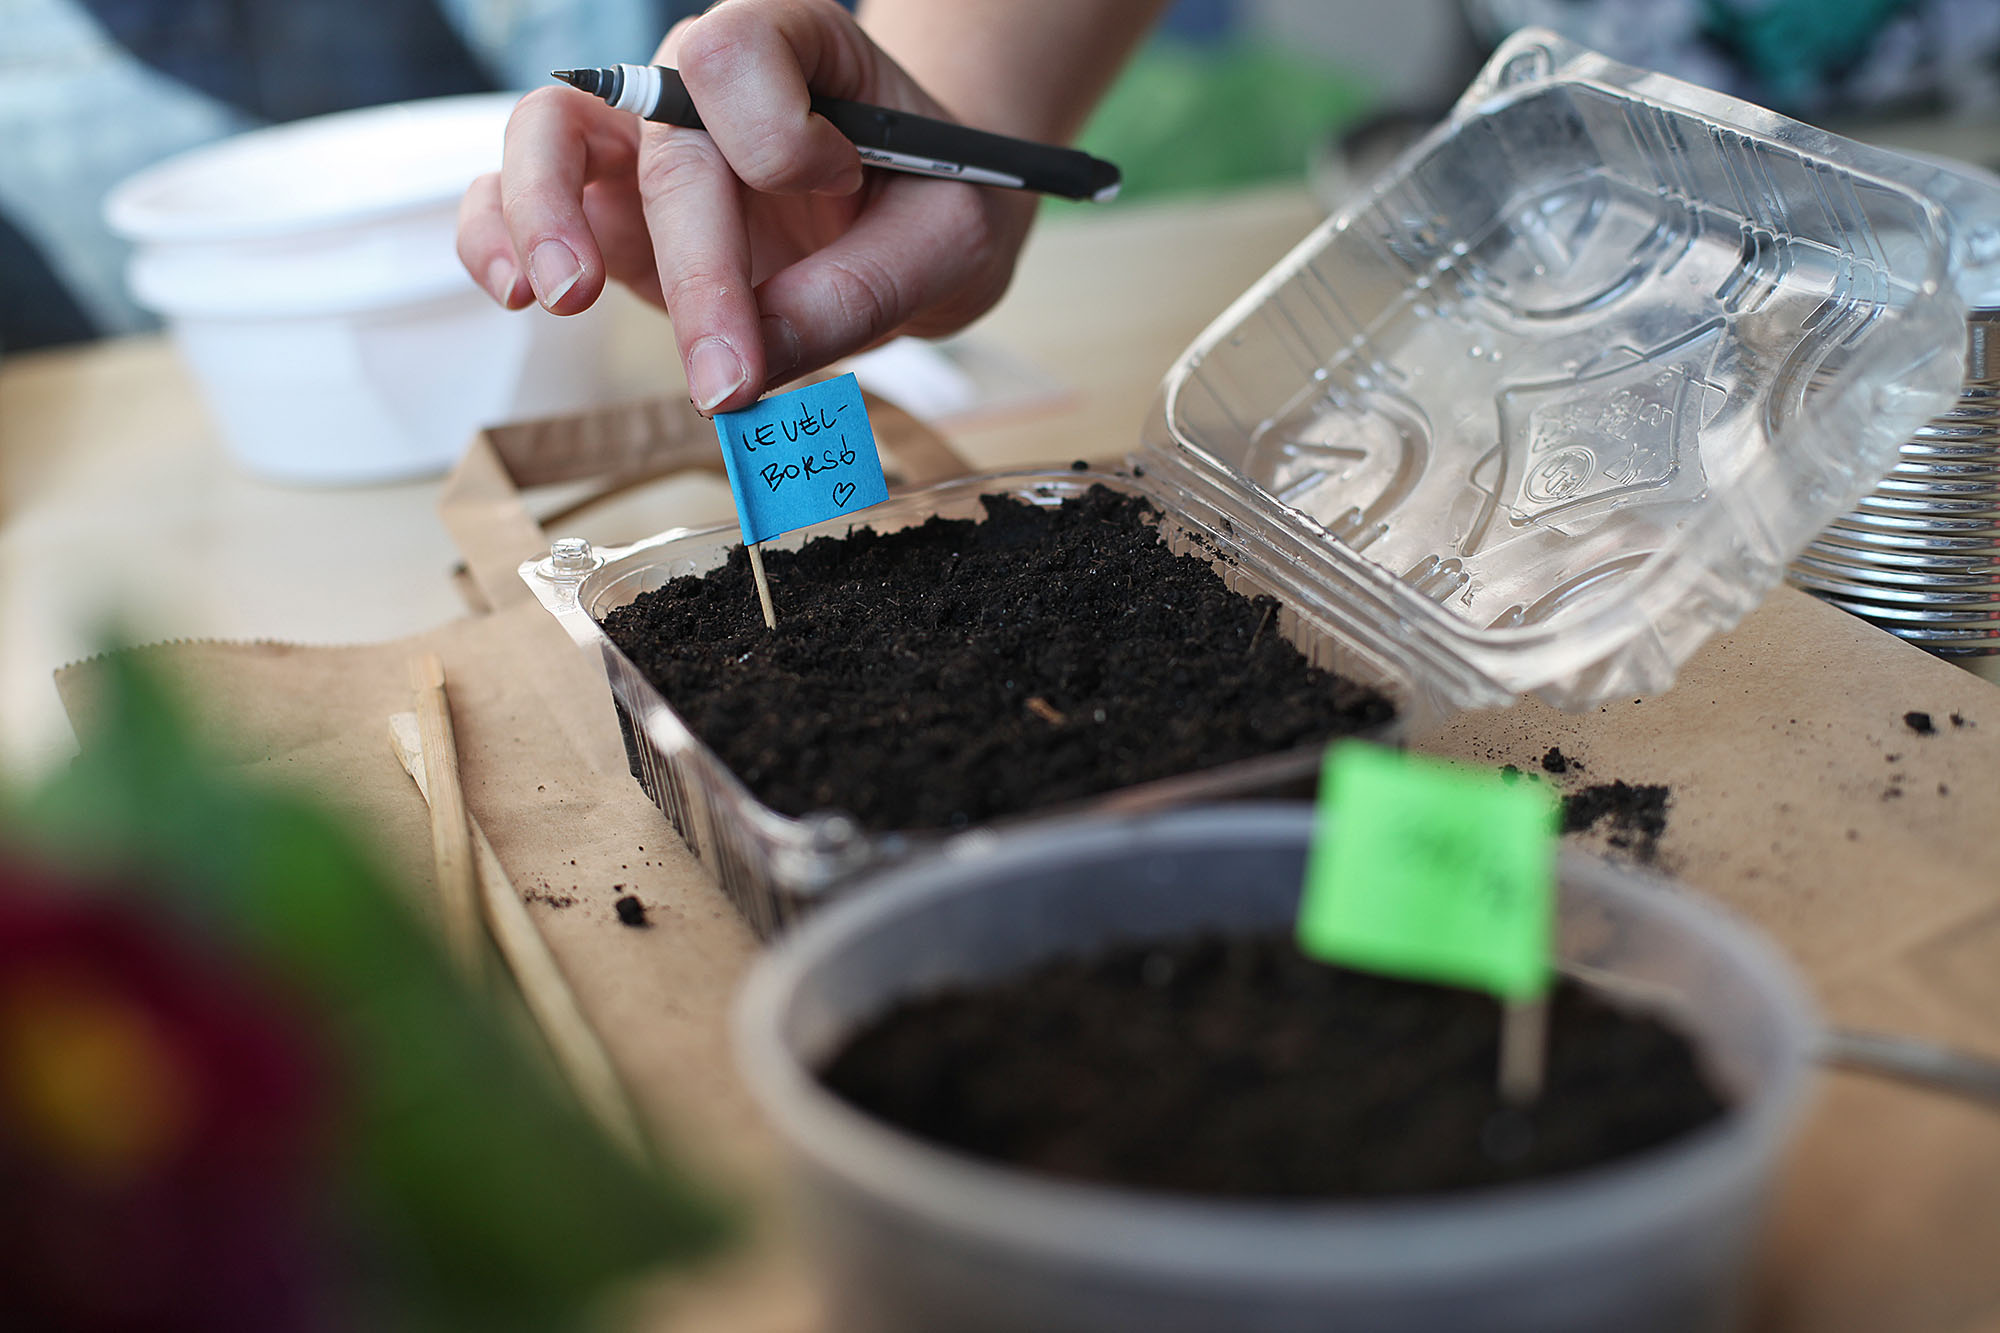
<point>1240,1067</point>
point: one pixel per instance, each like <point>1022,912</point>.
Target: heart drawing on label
<point>842,493</point>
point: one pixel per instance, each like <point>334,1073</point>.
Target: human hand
<point>765,240</point>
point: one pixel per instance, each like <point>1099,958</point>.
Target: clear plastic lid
<point>1560,397</point>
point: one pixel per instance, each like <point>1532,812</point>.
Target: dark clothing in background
<point>267,62</point>
<point>276,60</point>
<point>38,310</point>
<point>287,59</point>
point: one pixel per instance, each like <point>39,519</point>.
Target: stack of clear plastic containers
<point>1920,555</point>
<point>1553,403</point>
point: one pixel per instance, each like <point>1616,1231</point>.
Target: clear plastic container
<point>1560,397</point>
<point>915,1238</point>
<point>774,866</point>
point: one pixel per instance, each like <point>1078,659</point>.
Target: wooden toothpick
<point>763,584</point>
<point>1524,1045</point>
<point>544,989</point>
<point>1260,630</point>
<point>1046,711</point>
<point>451,836</point>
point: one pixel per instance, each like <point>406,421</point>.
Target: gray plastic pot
<point>915,1238</point>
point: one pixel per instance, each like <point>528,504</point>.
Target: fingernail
<point>552,271</point>
<point>781,347</point>
<point>714,372</point>
<point>500,277</point>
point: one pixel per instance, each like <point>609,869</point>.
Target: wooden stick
<point>451,839</point>
<point>1524,1044</point>
<point>756,550</point>
<point>1260,631</point>
<point>574,1043</point>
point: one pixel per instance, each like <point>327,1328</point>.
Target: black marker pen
<point>895,140</point>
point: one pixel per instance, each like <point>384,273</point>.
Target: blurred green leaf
<point>1195,118</point>
<point>476,1192</point>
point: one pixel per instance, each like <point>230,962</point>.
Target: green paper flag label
<point>800,458</point>
<point>1430,871</point>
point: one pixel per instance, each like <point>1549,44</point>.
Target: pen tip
<point>604,83</point>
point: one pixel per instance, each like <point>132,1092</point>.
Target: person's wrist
<point>961,80</point>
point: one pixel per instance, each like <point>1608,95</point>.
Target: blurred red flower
<point>164,1126</point>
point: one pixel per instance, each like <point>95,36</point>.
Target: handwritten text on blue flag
<point>800,458</point>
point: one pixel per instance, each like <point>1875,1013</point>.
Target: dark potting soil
<point>1241,1067</point>
<point>953,672</point>
<point>1636,814</point>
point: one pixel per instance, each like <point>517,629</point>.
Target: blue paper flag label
<point>800,458</point>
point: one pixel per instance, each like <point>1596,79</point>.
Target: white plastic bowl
<point>309,274</point>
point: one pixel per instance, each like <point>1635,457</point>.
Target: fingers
<point>617,220</point>
<point>925,256</point>
<point>484,246</point>
<point>542,175</point>
<point>702,249</point>
<point>526,233</point>
<point>749,66</point>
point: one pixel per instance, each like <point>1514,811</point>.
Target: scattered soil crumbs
<point>631,911</point>
<point>1555,761</point>
<point>1920,723</point>
<point>550,898</point>
<point>956,671</point>
<point>1635,815</point>
<point>1240,1067</point>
